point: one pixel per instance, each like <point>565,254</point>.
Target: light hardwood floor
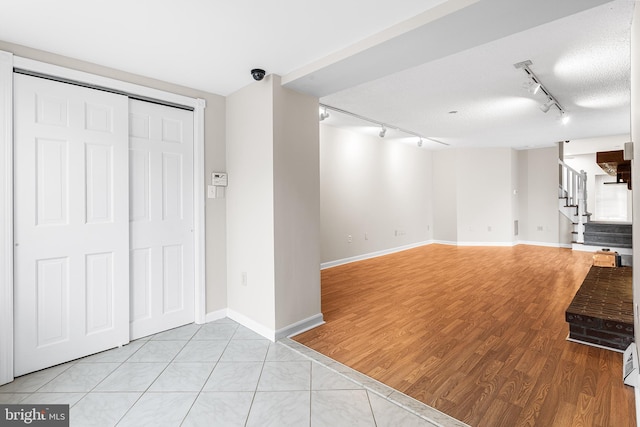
<point>476,332</point>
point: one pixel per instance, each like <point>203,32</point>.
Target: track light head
<point>420,142</point>
<point>534,88</point>
<point>383,132</point>
<point>547,105</point>
<point>324,115</point>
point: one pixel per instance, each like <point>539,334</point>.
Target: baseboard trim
<point>215,315</point>
<point>488,244</point>
<point>375,254</point>
<point>546,244</point>
<point>494,244</point>
<point>256,327</point>
<point>445,242</point>
<point>593,345</point>
<point>270,334</point>
<point>300,327</point>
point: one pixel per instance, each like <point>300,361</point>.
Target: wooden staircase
<point>588,235</point>
<point>572,199</point>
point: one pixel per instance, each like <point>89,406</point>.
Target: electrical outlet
<point>244,278</point>
<point>349,238</point>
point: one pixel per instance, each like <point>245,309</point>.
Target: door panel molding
<point>7,63</point>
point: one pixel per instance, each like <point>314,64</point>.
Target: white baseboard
<point>376,254</point>
<point>546,244</point>
<point>215,315</point>
<point>495,244</point>
<point>300,327</point>
<point>593,345</point>
<point>273,335</point>
<point>256,327</point>
<point>445,242</point>
<point>491,244</point>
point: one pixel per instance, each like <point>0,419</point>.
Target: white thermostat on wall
<point>219,179</point>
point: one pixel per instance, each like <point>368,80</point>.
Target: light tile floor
<point>218,374</point>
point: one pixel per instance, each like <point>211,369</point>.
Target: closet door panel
<point>71,226</point>
<point>161,192</point>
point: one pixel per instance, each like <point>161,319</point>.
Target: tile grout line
<point>156,378</point>
<point>145,391</point>
<point>373,414</point>
<point>255,392</point>
<point>205,381</point>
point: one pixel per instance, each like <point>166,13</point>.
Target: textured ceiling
<point>407,63</point>
<point>583,60</point>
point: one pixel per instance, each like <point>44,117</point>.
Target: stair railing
<point>573,186</point>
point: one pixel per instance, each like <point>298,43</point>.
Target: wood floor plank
<point>476,332</point>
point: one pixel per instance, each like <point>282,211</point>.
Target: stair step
<point>605,239</point>
<point>609,227</point>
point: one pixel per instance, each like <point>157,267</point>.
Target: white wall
<point>250,214</point>
<point>474,201</point>
<point>445,196</point>
<point>273,207</point>
<point>475,196</point>
<point>485,196</point>
<point>297,207</point>
<point>215,215</point>
<point>541,222</point>
<point>378,191</point>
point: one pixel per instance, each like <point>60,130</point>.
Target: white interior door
<point>71,222</point>
<point>161,215</point>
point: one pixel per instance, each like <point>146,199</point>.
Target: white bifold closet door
<point>103,221</point>
<point>71,223</point>
<point>161,214</point>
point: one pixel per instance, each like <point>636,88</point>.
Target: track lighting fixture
<point>383,127</point>
<point>534,86</point>
<point>324,114</point>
